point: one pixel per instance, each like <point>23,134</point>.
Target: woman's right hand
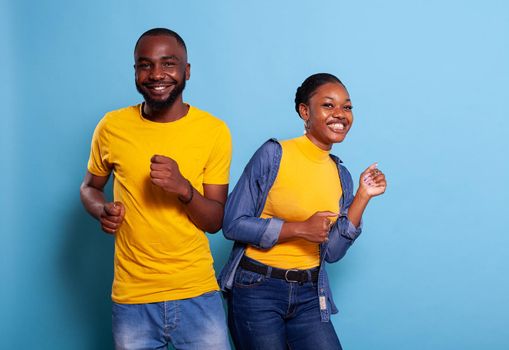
<point>316,228</point>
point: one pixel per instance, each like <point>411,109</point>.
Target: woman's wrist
<point>362,195</point>
<point>290,230</point>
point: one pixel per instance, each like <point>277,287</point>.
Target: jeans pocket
<point>247,279</point>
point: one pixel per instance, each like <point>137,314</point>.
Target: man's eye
<point>168,64</point>
<point>348,108</point>
<point>143,65</point>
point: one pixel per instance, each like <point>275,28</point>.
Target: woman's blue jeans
<point>269,313</point>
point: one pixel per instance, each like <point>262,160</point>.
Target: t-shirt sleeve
<point>98,163</point>
<point>217,168</point>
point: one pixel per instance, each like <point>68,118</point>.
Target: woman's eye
<point>348,108</point>
<point>328,105</point>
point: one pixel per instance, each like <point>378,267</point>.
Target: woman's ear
<point>304,111</point>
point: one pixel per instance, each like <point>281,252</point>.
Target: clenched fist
<point>165,173</point>
<point>112,216</point>
<point>316,228</point>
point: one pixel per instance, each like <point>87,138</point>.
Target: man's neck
<point>167,114</point>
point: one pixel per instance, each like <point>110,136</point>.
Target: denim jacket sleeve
<point>343,232</point>
<point>244,205</point>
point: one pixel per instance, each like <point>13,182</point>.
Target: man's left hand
<point>165,173</point>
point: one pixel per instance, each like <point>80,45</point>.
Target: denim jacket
<point>242,222</point>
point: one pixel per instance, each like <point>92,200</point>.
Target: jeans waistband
<point>291,275</point>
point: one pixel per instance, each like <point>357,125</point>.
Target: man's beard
<point>158,105</point>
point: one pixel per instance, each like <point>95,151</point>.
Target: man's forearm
<point>206,214</point>
<point>93,200</point>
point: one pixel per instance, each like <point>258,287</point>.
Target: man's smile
<point>159,88</point>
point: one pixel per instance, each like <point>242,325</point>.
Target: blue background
<point>429,82</point>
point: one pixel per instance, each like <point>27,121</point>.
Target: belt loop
<point>269,271</point>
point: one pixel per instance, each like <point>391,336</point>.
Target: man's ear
<point>188,71</point>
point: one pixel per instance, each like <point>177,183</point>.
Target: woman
<point>292,210</point>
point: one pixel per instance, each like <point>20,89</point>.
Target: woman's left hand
<point>372,181</point>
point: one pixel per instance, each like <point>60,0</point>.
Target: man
<point>170,162</point>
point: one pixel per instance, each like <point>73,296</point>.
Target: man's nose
<point>156,73</point>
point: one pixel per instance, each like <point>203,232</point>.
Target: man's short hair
<point>162,31</point>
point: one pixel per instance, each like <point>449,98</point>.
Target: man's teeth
<point>159,88</point>
<point>337,126</point>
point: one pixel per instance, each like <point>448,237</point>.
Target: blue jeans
<point>197,323</point>
<point>269,313</point>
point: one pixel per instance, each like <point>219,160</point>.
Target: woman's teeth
<point>337,127</point>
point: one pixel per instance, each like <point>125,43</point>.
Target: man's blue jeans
<point>189,324</point>
<point>269,313</point>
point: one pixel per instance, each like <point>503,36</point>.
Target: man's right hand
<point>112,217</point>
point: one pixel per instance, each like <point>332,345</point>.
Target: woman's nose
<point>339,112</point>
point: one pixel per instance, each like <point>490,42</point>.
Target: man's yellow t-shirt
<point>307,182</point>
<point>159,253</point>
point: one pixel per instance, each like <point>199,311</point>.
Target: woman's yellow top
<point>307,182</point>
